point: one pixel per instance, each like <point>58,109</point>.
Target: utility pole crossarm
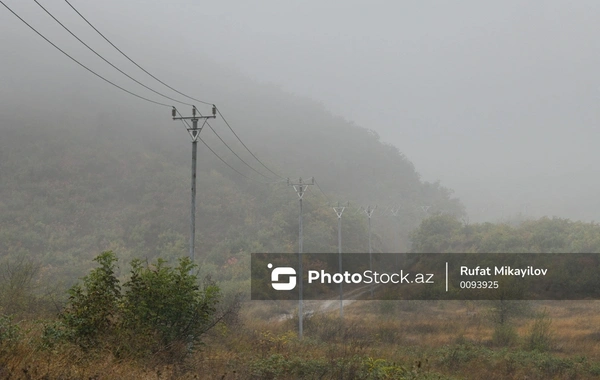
<point>369,210</point>
<point>395,211</point>
<point>300,187</point>
<point>339,210</point>
<point>194,131</point>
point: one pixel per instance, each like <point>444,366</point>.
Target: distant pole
<point>395,211</point>
<point>339,210</point>
<point>300,188</point>
<point>193,204</point>
<point>369,212</point>
<point>194,132</point>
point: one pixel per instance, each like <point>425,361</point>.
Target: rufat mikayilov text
<point>369,277</point>
<point>503,271</point>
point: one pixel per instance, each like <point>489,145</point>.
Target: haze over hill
<point>498,100</point>
<point>86,167</point>
<point>376,100</point>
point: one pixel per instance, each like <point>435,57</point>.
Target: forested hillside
<point>74,186</point>
<point>446,234</point>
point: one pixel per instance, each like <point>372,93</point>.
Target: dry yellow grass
<point>448,338</point>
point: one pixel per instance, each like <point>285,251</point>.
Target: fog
<point>497,100</point>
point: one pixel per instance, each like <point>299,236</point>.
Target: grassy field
<point>376,340</point>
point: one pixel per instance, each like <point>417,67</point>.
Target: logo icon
<point>282,271</point>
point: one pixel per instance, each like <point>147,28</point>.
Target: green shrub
<point>540,336</point>
<point>93,308</point>
<point>9,332</point>
<point>165,306</point>
<point>457,355</point>
<point>504,335</point>
<point>53,334</point>
<point>162,309</point>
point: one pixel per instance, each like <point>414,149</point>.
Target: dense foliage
<point>70,193</point>
<point>162,309</point>
<point>445,233</point>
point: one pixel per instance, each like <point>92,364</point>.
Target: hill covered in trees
<point>446,234</point>
<point>78,183</point>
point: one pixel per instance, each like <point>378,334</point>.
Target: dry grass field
<point>376,340</point>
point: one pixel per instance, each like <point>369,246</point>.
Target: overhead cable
<point>81,64</point>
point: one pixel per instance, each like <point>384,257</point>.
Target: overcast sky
<point>499,100</point>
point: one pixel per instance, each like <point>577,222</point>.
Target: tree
<point>163,306</point>
<point>94,308</point>
<point>162,309</point>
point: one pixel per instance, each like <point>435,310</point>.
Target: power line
<point>232,151</point>
<point>106,60</point>
<point>131,60</point>
<point>232,168</point>
<point>321,190</point>
<point>147,99</point>
<point>240,140</point>
<point>215,132</point>
<point>79,63</point>
<point>179,92</point>
<point>185,123</point>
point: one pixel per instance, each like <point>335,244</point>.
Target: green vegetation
<point>68,194</point>
<point>445,233</point>
<point>162,309</point>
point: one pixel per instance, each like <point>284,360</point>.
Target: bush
<point>9,332</point>
<point>17,287</point>
<point>93,308</point>
<point>53,334</point>
<point>164,306</point>
<point>504,335</point>
<point>162,309</point>
<point>540,336</point>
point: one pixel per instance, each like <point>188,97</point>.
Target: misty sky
<point>499,100</point>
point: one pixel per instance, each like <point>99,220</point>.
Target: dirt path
<point>311,307</point>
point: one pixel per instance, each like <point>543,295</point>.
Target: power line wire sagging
<point>131,60</point>
<point>181,93</point>
<point>215,109</point>
<point>322,192</point>
<point>187,126</point>
<point>231,150</point>
<point>231,129</point>
<point>106,60</point>
<point>79,63</point>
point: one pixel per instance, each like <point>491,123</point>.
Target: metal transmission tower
<point>194,132</point>
<point>300,187</point>
<point>369,212</point>
<point>339,210</point>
